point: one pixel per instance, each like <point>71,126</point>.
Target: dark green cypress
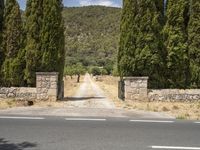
<point>141,52</point>
<point>1,32</point>
<point>149,53</point>
<point>127,47</point>
<point>12,43</point>
<point>33,25</point>
<point>175,37</point>
<point>194,42</point>
<point>52,38</point>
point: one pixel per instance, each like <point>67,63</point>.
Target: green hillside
<point>92,35</point>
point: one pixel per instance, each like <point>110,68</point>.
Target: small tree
<point>95,71</point>
<point>79,70</point>
<point>69,71</point>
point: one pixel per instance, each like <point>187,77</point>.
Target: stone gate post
<point>136,88</point>
<point>47,85</point>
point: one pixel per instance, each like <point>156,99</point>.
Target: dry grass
<point>71,85</point>
<point>180,110</point>
<point>9,103</point>
<point>70,88</point>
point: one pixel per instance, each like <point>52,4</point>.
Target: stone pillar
<point>47,85</point>
<point>135,88</point>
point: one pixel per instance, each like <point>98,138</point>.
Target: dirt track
<point>89,95</point>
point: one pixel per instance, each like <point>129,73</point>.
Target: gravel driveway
<point>89,95</point>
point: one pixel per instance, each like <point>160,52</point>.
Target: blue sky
<point>71,3</point>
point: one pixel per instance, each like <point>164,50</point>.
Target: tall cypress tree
<point>1,30</point>
<point>12,42</point>
<point>149,53</point>
<point>1,20</point>
<point>33,25</point>
<point>175,37</point>
<point>194,42</point>
<point>141,52</point>
<point>52,38</point>
<point>127,47</point>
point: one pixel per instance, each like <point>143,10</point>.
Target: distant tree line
<point>34,43</point>
<point>162,42</point>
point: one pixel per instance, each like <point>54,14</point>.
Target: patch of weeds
<point>175,107</point>
<point>148,107</point>
<point>181,117</point>
<point>198,105</point>
<point>11,103</point>
<point>155,109</point>
<point>187,115</point>
<point>165,109</point>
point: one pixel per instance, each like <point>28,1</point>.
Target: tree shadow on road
<point>81,98</point>
<point>6,145</point>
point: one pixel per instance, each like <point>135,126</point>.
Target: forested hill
<point>92,35</point>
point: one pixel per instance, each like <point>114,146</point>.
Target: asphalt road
<point>61,133</point>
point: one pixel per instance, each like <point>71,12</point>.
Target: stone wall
<point>47,85</point>
<point>135,88</point>
<point>172,95</point>
<point>46,89</point>
<point>18,93</point>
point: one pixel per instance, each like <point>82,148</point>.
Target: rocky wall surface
<point>135,88</point>
<point>18,93</point>
<point>46,89</point>
<point>47,85</point>
<point>174,95</point>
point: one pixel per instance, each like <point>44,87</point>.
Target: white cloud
<point>109,3</point>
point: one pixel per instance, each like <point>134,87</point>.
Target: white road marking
<point>174,147</point>
<point>84,119</point>
<point>152,121</point>
<point>26,118</point>
<point>197,122</point>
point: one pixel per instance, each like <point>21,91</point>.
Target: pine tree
<point>11,43</point>
<point>127,46</point>
<point>33,25</point>
<point>175,37</point>
<point>194,42</point>
<point>52,38</point>
<point>1,30</point>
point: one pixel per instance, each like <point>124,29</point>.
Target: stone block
<point>143,91</point>
<point>127,83</point>
<point>134,84</point>
<point>143,85</point>
<point>53,85</point>
<point>54,79</point>
<point>52,92</point>
<point>135,91</point>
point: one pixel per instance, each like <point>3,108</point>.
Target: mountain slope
<point>92,35</point>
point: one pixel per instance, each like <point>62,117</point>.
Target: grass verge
<point>180,110</point>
